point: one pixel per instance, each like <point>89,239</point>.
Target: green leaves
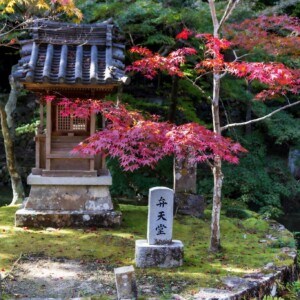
<point>160,39</point>
<point>283,127</point>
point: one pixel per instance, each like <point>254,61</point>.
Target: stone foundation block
<point>190,204</point>
<point>59,219</point>
<point>163,256</point>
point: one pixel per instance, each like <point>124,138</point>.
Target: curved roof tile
<point>63,53</point>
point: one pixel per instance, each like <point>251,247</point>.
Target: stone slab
<point>59,219</point>
<point>162,256</point>
<point>160,216</point>
<point>214,294</point>
<point>43,180</point>
<point>125,282</point>
<point>236,283</point>
<point>185,177</point>
<point>190,204</point>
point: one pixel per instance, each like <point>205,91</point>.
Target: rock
<point>190,204</point>
<point>269,265</point>
<point>213,294</point>
<point>237,283</point>
<point>294,156</point>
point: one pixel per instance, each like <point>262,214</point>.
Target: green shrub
<point>136,184</point>
<point>261,181</point>
<point>237,212</point>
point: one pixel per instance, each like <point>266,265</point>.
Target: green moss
<point>241,250</point>
<point>254,225</point>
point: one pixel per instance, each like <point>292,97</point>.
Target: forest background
<point>262,180</point>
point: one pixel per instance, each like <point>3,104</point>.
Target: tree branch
<point>261,118</point>
<point>214,16</point>
<point>229,9</point>
<point>198,87</point>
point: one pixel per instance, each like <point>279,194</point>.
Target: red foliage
<point>154,62</point>
<point>276,35</point>
<point>139,142</point>
<point>279,78</point>
<point>184,34</point>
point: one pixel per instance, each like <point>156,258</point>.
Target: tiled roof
<point>63,53</point>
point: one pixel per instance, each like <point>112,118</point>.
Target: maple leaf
<point>184,34</point>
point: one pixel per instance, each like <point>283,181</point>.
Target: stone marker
<point>160,216</point>
<point>125,282</point>
<point>159,250</point>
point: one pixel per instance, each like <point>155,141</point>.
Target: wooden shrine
<point>73,61</point>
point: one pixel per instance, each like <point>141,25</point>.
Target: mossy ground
<point>242,251</point>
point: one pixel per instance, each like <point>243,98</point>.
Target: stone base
<point>68,202</point>
<point>58,219</point>
<point>162,256</point>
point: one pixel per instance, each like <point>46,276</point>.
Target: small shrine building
<point>74,61</point>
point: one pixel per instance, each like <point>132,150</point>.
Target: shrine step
<point>68,173</point>
<point>67,154</point>
<point>60,219</point>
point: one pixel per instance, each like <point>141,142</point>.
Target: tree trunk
<point>173,99</point>
<point>16,182</point>
<point>11,104</point>
<point>249,110</point>
<point>8,131</point>
<point>215,240</point>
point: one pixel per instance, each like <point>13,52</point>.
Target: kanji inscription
<point>160,216</point>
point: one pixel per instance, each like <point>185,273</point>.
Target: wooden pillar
<point>92,131</point>
<point>103,163</point>
<point>41,127</point>
<point>48,135</point>
<point>37,137</point>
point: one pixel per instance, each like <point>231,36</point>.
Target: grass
<point>242,250</point>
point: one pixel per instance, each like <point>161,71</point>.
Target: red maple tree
<point>280,80</point>
<point>138,141</point>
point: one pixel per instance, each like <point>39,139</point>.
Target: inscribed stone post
<point>125,282</point>
<point>160,216</point>
<point>159,250</point>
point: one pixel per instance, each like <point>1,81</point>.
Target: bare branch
<point>278,8</point>
<point>261,118</point>
<point>229,9</point>
<point>16,27</point>
<point>237,58</point>
<point>198,87</point>
<point>214,16</point>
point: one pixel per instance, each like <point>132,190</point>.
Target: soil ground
<point>40,277</point>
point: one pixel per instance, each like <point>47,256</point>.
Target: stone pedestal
<point>68,202</point>
<point>163,256</point>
